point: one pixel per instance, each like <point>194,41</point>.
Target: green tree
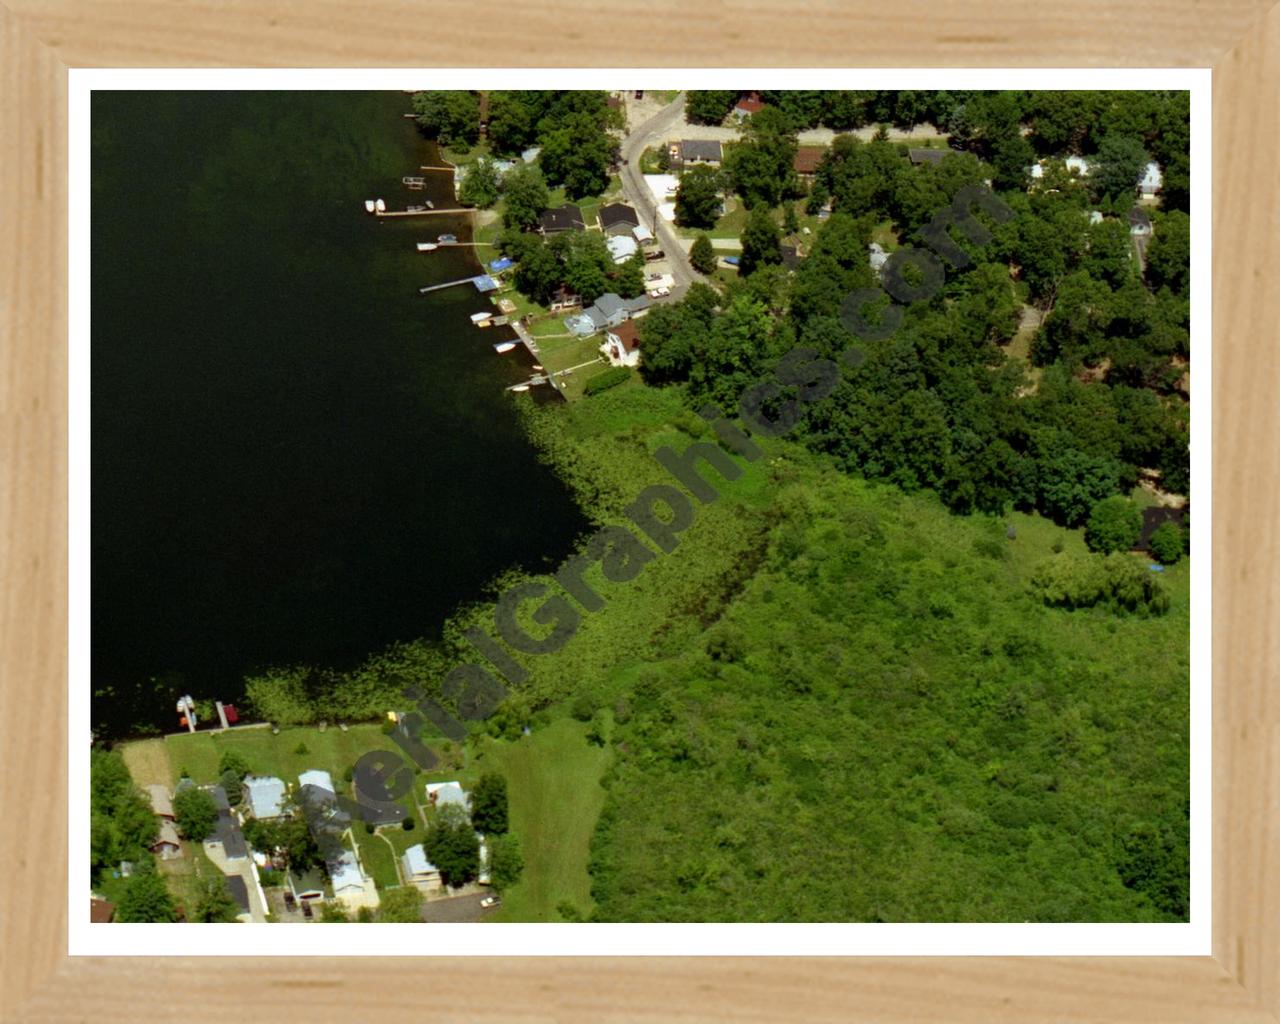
<point>334,913</point>
<point>702,255</point>
<point>1169,254</point>
<point>512,124</point>
<point>231,785</point>
<point>402,905</point>
<point>1114,525</point>
<point>630,278</point>
<point>451,116</point>
<point>451,845</point>
<point>481,185</point>
<point>214,903</point>
<point>232,761</point>
<point>1119,166</point>
<point>282,696</point>
<point>506,862</point>
<point>703,106</point>
<point>578,156</point>
<point>761,241</point>
<point>489,804</point>
<point>1072,482</point>
<point>587,263</point>
<point>1167,544</point>
<point>525,196</point>
<point>698,197</point>
<point>195,813</point>
<point>538,271</point>
<point>760,164</point>
<point>145,898</point>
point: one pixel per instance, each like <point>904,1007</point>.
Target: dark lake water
<point>296,458</point>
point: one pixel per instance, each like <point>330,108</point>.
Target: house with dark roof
<point>563,218</point>
<point>167,844</point>
<point>239,890</point>
<point>617,219</point>
<point>226,833</point>
<point>927,156</point>
<point>691,152</point>
<point>806,161</point>
<point>790,256</point>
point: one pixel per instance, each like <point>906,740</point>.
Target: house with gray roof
<point>691,152</point>
<point>265,796</point>
<point>926,156</point>
<point>417,869</point>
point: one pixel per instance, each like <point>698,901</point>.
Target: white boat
<point>380,206</point>
<point>521,387</point>
<point>477,318</point>
<point>504,346</point>
<point>430,205</point>
<point>368,206</point>
<point>447,239</point>
<point>427,246</point>
<point>536,366</point>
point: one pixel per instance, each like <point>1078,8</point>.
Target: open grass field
<point>148,762</point>
<point>285,755</point>
<point>553,782</point>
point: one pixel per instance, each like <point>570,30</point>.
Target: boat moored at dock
<point>447,239</point>
<point>427,246</point>
<point>479,318</point>
<point>368,206</point>
<point>504,346</point>
<point>380,206</point>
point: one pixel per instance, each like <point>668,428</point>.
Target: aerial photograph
<point>640,506</point>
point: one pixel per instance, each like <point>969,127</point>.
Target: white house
<point>417,869</point>
<point>622,248</point>
<point>1151,180</point>
<point>351,886</point>
<point>441,793</point>
<point>265,796</point>
<point>622,344</point>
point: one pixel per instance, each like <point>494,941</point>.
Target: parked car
<point>657,254</point>
<point>491,901</point>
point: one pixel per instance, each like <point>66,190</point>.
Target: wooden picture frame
<point>1240,982</point>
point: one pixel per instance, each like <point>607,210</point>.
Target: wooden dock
<point>420,213</point>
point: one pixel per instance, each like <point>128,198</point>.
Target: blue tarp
<point>1156,568</point>
<point>502,264</point>
<point>484,283</point>
<point>733,261</point>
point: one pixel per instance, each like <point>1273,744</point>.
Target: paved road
<point>637,192</point>
<point>456,909</point>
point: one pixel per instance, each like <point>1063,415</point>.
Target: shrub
<point>611,378</point>
<point>301,750</point>
<point>583,707</point>
<point>407,825</point>
<point>1167,544</point>
<point>1114,524</point>
<point>1082,582</point>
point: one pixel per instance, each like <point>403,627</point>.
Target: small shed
<point>441,793</point>
<point>161,802</point>
<point>167,844</point>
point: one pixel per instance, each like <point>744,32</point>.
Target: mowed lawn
<point>285,755</point>
<point>553,784</point>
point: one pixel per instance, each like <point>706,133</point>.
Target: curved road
<point>637,192</point>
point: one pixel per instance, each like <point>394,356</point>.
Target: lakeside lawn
<point>286,755</point>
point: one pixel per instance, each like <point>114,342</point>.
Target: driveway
<point>456,909</point>
<point>638,195</point>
